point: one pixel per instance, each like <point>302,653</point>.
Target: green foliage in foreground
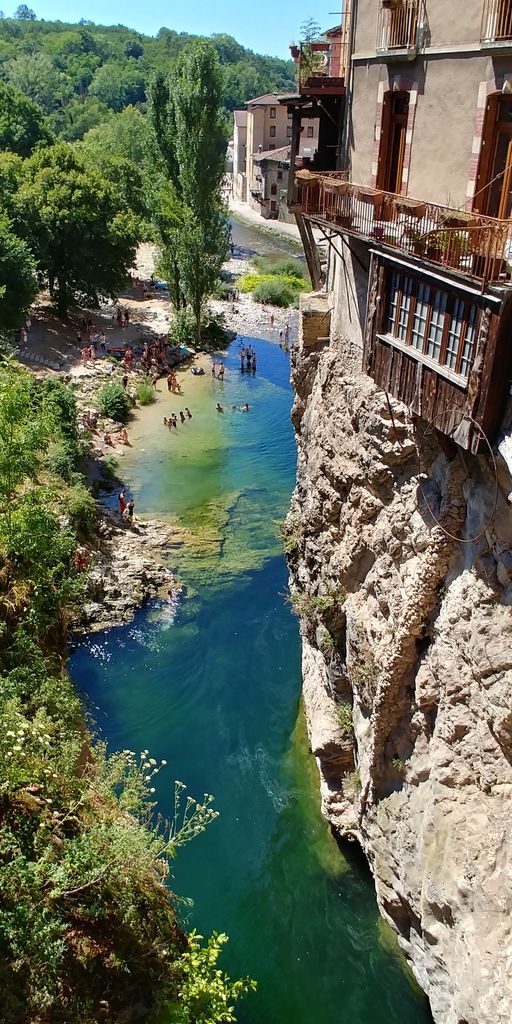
<point>88,928</point>
<point>114,401</point>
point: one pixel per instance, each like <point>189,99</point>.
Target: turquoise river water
<point>215,690</point>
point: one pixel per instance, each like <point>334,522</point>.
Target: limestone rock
<point>423,641</point>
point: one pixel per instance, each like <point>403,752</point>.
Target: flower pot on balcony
<point>339,188</point>
<point>389,5</point>
<point>411,207</point>
<point>319,47</point>
<point>344,220</point>
<point>458,219</point>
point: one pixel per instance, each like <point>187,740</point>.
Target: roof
<point>240,118</point>
<point>336,31</point>
<point>280,155</point>
<point>269,99</point>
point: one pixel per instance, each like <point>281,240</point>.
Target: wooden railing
<point>473,245</point>
<point>496,21</point>
<point>397,25</point>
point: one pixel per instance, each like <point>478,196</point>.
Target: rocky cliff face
<point>407,664</point>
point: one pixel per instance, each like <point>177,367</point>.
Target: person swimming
<point>219,407</point>
<point>189,414</point>
<point>245,408</point>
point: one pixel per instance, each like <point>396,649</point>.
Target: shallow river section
<point>214,688</point>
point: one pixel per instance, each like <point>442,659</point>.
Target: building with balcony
<point>416,209</point>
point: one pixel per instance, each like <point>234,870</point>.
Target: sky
<point>265,26</point>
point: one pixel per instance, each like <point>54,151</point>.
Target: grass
<point>344,717</point>
<point>351,784</point>
<point>309,605</point>
<point>145,392</point>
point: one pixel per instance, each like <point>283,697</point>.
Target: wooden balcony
<point>496,22</point>
<point>397,27</point>
<point>467,244</point>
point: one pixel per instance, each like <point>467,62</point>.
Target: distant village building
<point>260,132</point>
<point>240,155</point>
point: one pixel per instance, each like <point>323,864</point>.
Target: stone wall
<point>407,661</point>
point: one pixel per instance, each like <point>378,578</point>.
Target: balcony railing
<point>496,21</point>
<point>397,26</point>
<point>470,244</point>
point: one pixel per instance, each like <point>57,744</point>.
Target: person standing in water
<point>189,414</point>
<point>253,364</point>
<point>221,372</point>
<point>122,503</point>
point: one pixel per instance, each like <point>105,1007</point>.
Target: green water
<point>216,692</point>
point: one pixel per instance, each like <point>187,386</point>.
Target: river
<point>215,690</point>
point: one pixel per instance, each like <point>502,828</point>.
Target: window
<point>310,131</point>
<point>273,190</point>
<point>273,206</point>
<point>436,323</point>
<point>272,131</point>
<point>289,117</point>
<point>272,146</point>
<point>279,175</point>
<point>272,112</point>
<point>289,132</point>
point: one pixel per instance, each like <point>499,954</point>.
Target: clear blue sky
<point>266,26</point>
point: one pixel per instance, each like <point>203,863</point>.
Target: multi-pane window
<point>272,112</point>
<point>436,323</point>
<point>289,132</point>
<point>272,131</point>
<point>310,131</point>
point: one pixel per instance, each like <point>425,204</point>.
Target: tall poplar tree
<point>190,136</point>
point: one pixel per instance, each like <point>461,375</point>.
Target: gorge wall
<point>407,660</point>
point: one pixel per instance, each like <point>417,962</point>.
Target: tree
<point>22,123</point>
<point>84,238</point>
<point>117,84</point>
<point>201,252</point>
<point>125,135</point>
<point>200,133</point>
<point>24,13</point>
<point>36,77</point>
<point>81,114</point>
<point>18,284</point>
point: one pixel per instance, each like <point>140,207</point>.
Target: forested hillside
<point>83,75</point>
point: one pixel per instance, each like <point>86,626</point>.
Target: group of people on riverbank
<point>126,509</point>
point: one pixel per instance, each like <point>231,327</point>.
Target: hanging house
<point>437,272</point>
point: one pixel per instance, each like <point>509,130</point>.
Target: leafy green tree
<point>118,84</point>
<point>200,133</point>
<point>18,285</point>
<point>125,135</point>
<point>22,123</point>
<point>84,238</point>
<point>77,117</point>
<point>201,251</point>
<point>10,177</point>
<point>36,76</point>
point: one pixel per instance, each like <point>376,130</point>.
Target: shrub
<point>63,457</point>
<point>287,268</point>
<point>399,766</point>
<point>249,282</point>
<point>114,402</point>
<point>275,292</point>
<point>81,508</point>
<point>145,392</point>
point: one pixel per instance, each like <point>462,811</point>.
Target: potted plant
<point>458,219</point>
